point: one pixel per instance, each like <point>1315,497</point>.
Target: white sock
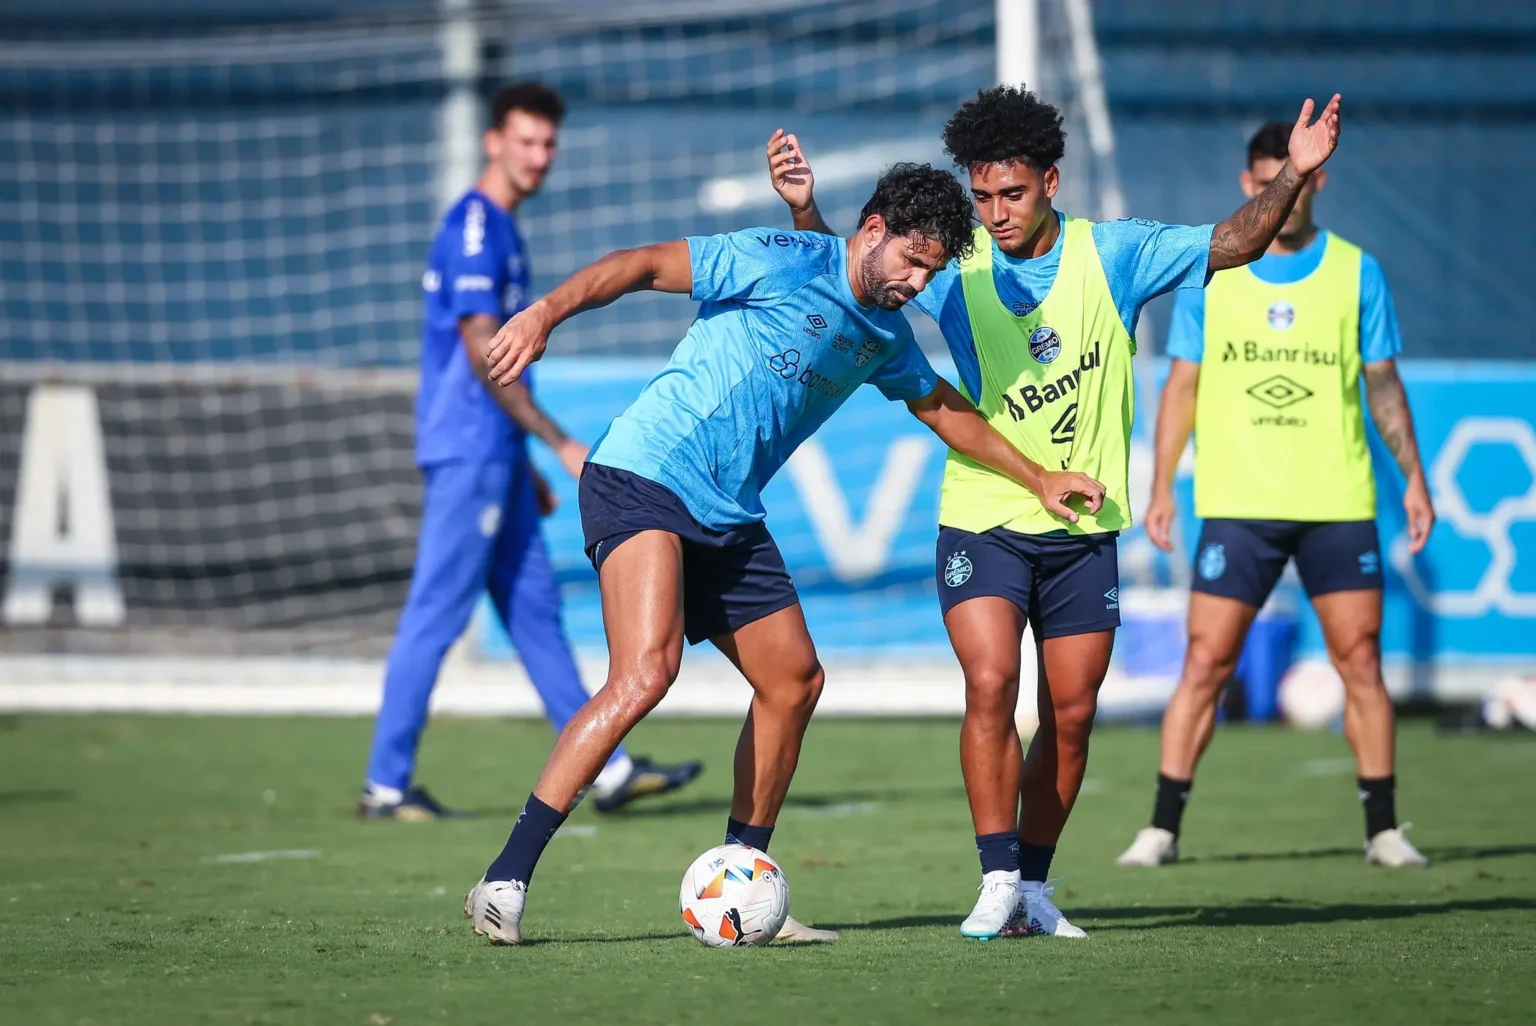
<point>615,773</point>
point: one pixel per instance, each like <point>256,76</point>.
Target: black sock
<point>737,832</point>
<point>530,834</point>
<point>998,852</point>
<point>1379,798</point>
<point>1172,796</point>
<point>1035,860</point>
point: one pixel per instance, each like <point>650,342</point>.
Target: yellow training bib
<point>1056,383</point>
<point>1279,433</point>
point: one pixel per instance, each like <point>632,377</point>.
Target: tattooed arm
<point>1243,237</point>
<point>1389,409</point>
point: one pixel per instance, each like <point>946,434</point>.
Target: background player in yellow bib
<point>1039,320</point>
<point>1266,370</point>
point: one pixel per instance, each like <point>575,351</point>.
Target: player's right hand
<point>1159,521</point>
<point>519,342</point>
<point>791,175</point>
<point>1058,486</point>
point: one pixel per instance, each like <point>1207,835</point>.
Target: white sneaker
<point>1153,846</point>
<point>996,906</point>
<point>795,932</point>
<point>1392,849</point>
<point>495,909</point>
<point>1039,915</point>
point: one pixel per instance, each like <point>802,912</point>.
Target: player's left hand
<point>1420,511</point>
<point>1311,144</point>
<point>518,343</point>
<point>548,500</point>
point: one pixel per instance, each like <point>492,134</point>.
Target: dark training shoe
<point>647,778</point>
<point>415,806</point>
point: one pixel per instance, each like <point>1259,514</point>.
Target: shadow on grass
<point>534,942</point>
<point>1287,913</point>
<point>721,804</point>
<point>1248,913</point>
<point>1461,853</point>
<point>35,796</point>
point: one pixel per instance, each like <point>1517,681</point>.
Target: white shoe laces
<point>996,895</point>
<point>1043,895</point>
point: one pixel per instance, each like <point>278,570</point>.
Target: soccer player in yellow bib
<point>1266,370</point>
<point>1039,321</point>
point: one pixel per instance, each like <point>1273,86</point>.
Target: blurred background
<point>214,219</point>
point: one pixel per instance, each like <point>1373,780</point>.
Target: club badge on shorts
<point>958,570</point>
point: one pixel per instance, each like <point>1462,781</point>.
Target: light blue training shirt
<point>778,345</point>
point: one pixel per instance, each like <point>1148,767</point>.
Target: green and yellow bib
<point>1279,433</point>
<point>1056,383</point>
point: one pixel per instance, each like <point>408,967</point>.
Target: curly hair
<point>919,199</point>
<point>1004,123</point>
<point>531,98</point>
<point>1273,140</point>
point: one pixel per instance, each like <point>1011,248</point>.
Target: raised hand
<point>518,343</point>
<point>1058,486</point>
<point>1313,143</point>
<point>787,167</point>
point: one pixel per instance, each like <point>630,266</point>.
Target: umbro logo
<point>1112,598</point>
<point>816,324</point>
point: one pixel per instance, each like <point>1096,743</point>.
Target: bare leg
<point>642,595</point>
<point>1217,627</point>
<point>1071,670</point>
<point>778,659</point>
<point>986,633</point>
<point>1351,622</point>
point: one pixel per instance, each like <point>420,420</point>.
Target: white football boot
<point>795,932</point>
<point>995,907</point>
<point>1038,915</point>
<point>1392,849</point>
<point>1153,846</point>
<point>495,909</point>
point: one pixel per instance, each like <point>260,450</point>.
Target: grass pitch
<point>177,870</point>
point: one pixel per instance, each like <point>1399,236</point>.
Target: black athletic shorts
<point>1243,559</point>
<point>1064,584</point>
<point>730,578</point>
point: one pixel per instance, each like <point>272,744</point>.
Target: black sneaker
<point>646,778</point>
<point>415,806</point>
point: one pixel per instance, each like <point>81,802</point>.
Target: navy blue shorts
<point>1064,584</point>
<point>1243,559</point>
<point>730,578</point>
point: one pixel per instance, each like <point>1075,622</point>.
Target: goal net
<point>212,230</point>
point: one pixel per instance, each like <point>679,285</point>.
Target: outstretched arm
<point>1388,400</point>
<point>517,398</point>
<point>1243,237</point>
<point>794,182</point>
<point>950,415</point>
<point>663,267</point>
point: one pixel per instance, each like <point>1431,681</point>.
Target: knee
<point>991,690</point>
<point>806,691</point>
<point>1073,719</point>
<point>1359,663</point>
<point>639,689</point>
<point>1206,666</point>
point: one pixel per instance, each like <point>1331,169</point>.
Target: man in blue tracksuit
<point>480,520</point>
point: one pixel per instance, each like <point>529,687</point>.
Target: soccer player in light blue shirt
<point>789,325</point>
<point>484,499</point>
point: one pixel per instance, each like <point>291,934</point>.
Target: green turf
<point>112,909</point>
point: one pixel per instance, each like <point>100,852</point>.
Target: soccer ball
<point>733,896</point>
<point>1311,694</point>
